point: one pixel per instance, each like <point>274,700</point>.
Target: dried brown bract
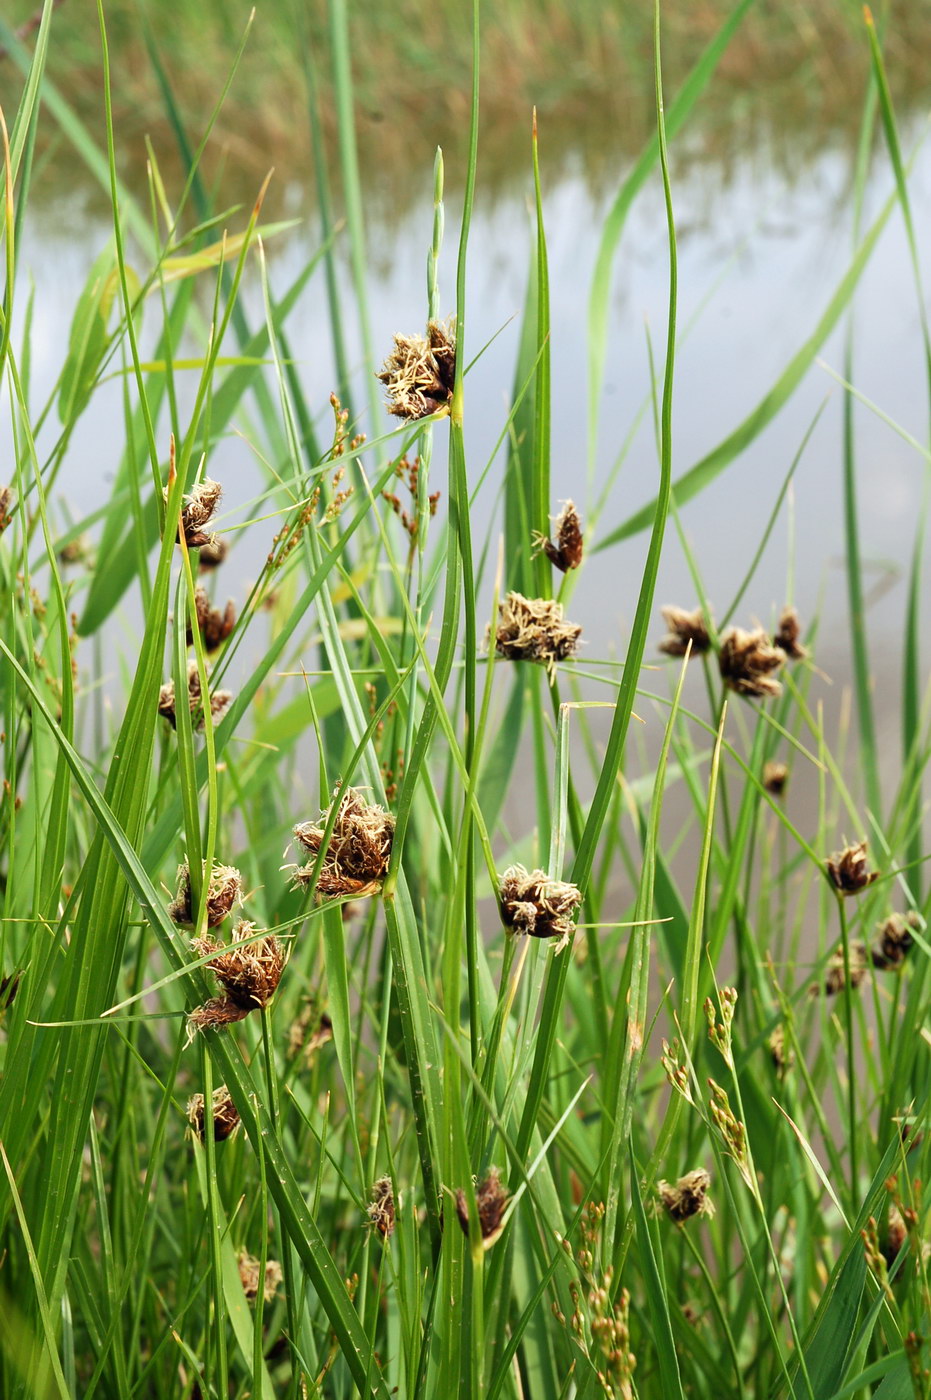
<point>380,1208</point>
<point>225,1115</point>
<point>688,1197</point>
<point>533,903</point>
<point>835,977</point>
<point>848,870</point>
<point>420,372</point>
<point>249,1276</point>
<point>684,628</point>
<point>491,1200</point>
<point>775,776</point>
<point>212,554</point>
<point>746,662</point>
<point>7,502</point>
<point>196,512</point>
<point>223,892</point>
<point>214,626</point>
<point>220,700</point>
<point>532,629</point>
<point>565,549</point>
<point>356,859</point>
<point>788,634</point>
<point>894,940</point>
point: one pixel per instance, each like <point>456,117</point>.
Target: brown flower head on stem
<point>214,626</point>
<point>688,1197</point>
<point>420,372</point>
<point>532,629</point>
<point>249,1276</point>
<point>788,633</point>
<point>249,977</point>
<point>380,1209</point>
<point>746,661</point>
<point>848,871</point>
<point>225,1115</point>
<point>220,700</point>
<point>775,776</point>
<point>835,976</point>
<point>356,859</point>
<point>196,511</point>
<point>533,903</point>
<point>223,892</point>
<point>564,550</point>
<point>682,628</point>
<point>491,1200</point>
<point>894,940</point>
<point>781,1052</point>
<point>7,502</point>
<point>212,554</point>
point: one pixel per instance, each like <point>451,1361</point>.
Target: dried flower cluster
<point>356,859</point>
<point>214,626</point>
<point>688,1197</point>
<point>788,633</point>
<point>7,502</point>
<point>532,903</point>
<point>564,550</point>
<point>249,1277</point>
<point>196,511</point>
<point>782,1054</point>
<point>684,629</point>
<point>212,554</point>
<point>747,661</point>
<point>380,1208</point>
<point>248,975</point>
<point>225,1115</point>
<point>491,1200</point>
<point>420,373</point>
<point>835,975</point>
<point>775,776</point>
<point>220,700</point>
<point>533,629</point>
<point>224,890</point>
<point>895,936</point>
<point>848,870</point>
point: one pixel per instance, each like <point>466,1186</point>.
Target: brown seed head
<point>688,1197</point>
<point>684,627</point>
<point>223,892</point>
<point>381,1207</point>
<point>225,1115</point>
<point>533,903</point>
<point>214,626</point>
<point>775,776</point>
<point>848,869</point>
<point>746,660</point>
<point>788,634</point>
<point>356,859</point>
<point>249,1276</point>
<point>895,938</point>
<point>196,511</point>
<point>420,372</point>
<point>896,1234</point>
<point>532,629</point>
<point>565,549</point>
<point>783,1056</point>
<point>212,553</point>
<point>7,502</point>
<point>250,975</point>
<point>491,1200</point>
<point>834,976</point>
<point>220,700</point>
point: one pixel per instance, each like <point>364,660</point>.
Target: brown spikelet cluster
<point>212,554</point>
<point>356,859</point>
<point>249,1276</point>
<point>380,1208</point>
<point>420,373</point>
<point>533,903</point>
<point>894,939</point>
<point>249,977</point>
<point>849,871</point>
<point>491,1200</point>
<point>683,628</point>
<point>775,776</point>
<point>225,1115</point>
<point>7,502</point>
<point>196,512</point>
<point>220,700</point>
<point>747,661</point>
<point>564,550</point>
<point>788,634</point>
<point>835,978</point>
<point>532,629</point>
<point>223,892</point>
<point>782,1054</point>
<point>214,626</point>
<point>688,1197</point>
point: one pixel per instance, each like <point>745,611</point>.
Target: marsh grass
<point>678,1150</point>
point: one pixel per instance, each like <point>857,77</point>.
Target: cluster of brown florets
<point>848,870</point>
<point>533,904</point>
<point>409,473</point>
<point>893,940</point>
<point>224,1113</point>
<point>420,373</point>
<point>224,892</point>
<point>533,629</point>
<point>688,1197</point>
<point>491,1199</point>
<point>249,974</point>
<point>219,701</point>
<point>355,859</point>
<point>747,661</point>
<point>565,548</point>
<point>213,625</point>
<point>7,502</point>
<point>250,1277</point>
<point>197,511</point>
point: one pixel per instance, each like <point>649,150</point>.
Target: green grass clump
<point>336,1057</point>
